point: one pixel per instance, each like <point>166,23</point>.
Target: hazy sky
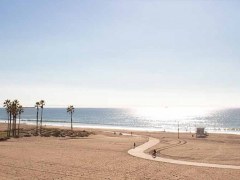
<point>118,53</point>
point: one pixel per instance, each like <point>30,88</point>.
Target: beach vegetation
<point>3,134</point>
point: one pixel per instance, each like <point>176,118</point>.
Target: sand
<point>104,156</point>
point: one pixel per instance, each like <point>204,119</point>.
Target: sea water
<point>225,120</point>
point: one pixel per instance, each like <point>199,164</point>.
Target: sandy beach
<point>104,156</point>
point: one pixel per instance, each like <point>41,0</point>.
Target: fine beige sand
<point>104,156</point>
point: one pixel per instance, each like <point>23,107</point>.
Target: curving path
<point>139,152</point>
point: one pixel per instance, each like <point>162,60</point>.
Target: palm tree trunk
<point>37,122</point>
<point>14,131</point>
<point>71,122</point>
<point>10,124</point>
<point>13,126</point>
<point>13,121</point>
<point>19,123</point>
<point>41,120</point>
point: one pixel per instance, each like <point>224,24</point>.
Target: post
<point>178,130</point>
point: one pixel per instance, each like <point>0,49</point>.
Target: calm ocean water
<point>155,119</point>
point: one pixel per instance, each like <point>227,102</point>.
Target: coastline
<point>125,128</point>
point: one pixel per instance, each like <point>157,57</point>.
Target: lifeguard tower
<point>200,132</point>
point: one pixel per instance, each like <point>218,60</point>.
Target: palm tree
<point>70,110</point>
<point>15,105</point>
<point>10,118</point>
<point>20,111</point>
<point>42,103</point>
<point>37,106</point>
<point>7,105</point>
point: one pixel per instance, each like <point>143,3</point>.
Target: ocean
<point>149,119</point>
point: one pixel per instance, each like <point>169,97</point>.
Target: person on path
<point>154,153</point>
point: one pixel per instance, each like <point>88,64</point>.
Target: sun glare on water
<point>170,114</point>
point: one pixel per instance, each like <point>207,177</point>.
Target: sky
<point>127,53</point>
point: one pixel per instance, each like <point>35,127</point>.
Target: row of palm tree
<point>13,109</point>
<point>38,105</point>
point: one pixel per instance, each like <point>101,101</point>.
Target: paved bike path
<point>139,152</point>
